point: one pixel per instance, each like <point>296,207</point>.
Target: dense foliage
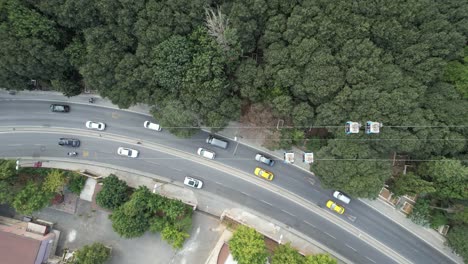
<point>95,253</point>
<point>247,246</point>
<point>148,211</point>
<point>113,194</point>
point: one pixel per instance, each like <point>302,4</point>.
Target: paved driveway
<point>88,226</point>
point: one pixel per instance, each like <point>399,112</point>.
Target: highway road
<point>36,113</point>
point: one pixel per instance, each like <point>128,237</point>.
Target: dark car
<point>69,142</point>
<point>60,108</point>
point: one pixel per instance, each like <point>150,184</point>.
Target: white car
<point>127,152</point>
<point>189,181</point>
<point>206,153</point>
<point>263,159</point>
<point>95,125</point>
<point>152,126</point>
<point>340,196</point>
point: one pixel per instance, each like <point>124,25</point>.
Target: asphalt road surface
<point>301,183</point>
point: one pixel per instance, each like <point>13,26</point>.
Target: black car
<point>69,142</point>
<point>60,108</point>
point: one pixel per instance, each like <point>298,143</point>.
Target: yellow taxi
<point>263,173</point>
<point>335,207</point>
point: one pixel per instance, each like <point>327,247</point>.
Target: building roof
<point>18,249</point>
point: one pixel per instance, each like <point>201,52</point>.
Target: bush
<point>173,236</point>
<point>95,253</point>
<point>76,183</point>
<point>438,218</point>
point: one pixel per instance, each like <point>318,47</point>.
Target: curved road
<point>36,113</point>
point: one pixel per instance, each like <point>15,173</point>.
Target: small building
<point>24,243</point>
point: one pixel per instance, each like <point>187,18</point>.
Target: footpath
<point>205,200</point>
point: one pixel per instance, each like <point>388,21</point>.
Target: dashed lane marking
<point>351,247</point>
<point>267,202</point>
<point>329,235</point>
<point>288,213</point>
<point>309,224</point>
<point>370,259</point>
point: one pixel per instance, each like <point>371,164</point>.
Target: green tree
<point>421,212</point>
<point>412,184</point>
<point>461,217</point>
<point>7,192</point>
<point>350,166</point>
<point>173,236</point>
<point>95,253</point>
<point>54,181</point>
<point>31,198</point>
<point>113,194</point>
<point>132,219</point>
<point>248,246</point>
<point>457,239</point>
<point>320,259</point>
<point>450,178</point>
<point>173,209</point>
<point>285,254</point>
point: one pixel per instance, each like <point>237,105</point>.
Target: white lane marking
<point>267,202</point>
<point>329,235</point>
<point>38,145</point>
<point>176,169</point>
<point>219,183</point>
<point>152,162</point>
<point>309,224</point>
<point>288,213</point>
<point>245,194</point>
<point>14,145</point>
<point>370,259</point>
<point>350,247</point>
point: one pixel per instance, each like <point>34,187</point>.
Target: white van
<point>152,126</point>
<point>217,142</point>
<point>206,153</point>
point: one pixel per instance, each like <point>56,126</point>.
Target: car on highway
<point>342,197</point>
<point>60,108</point>
<point>263,173</point>
<point>127,152</point>
<point>192,182</point>
<point>206,153</point>
<point>152,126</point>
<point>263,159</point>
<point>335,207</point>
<point>95,125</point>
<point>69,142</point>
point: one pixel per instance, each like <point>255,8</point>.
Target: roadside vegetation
<point>95,253</point>
<point>136,211</point>
<point>31,189</point>
<point>247,246</point>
